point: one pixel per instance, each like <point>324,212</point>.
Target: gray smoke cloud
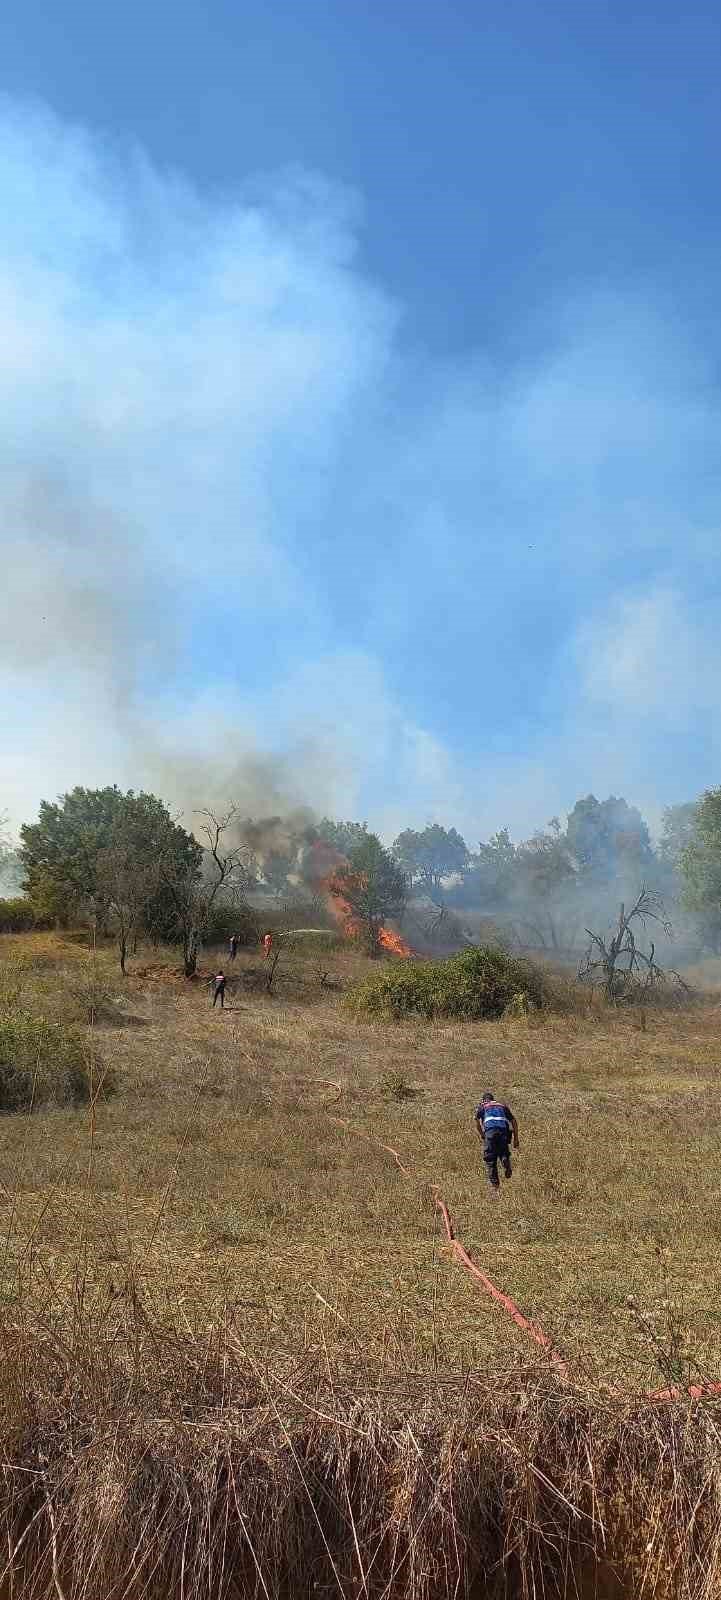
<point>256,551</point>
<point>170,366</point>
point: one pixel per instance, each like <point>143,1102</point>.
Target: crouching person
<point>496,1126</point>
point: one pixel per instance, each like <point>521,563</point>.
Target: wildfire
<point>353,928</point>
<point>395,943</point>
<point>322,864</point>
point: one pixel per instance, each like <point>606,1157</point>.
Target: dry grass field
<point>235,1167</point>
<point>239,1357</point>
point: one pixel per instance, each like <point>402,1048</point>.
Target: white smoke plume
<point>258,547</point>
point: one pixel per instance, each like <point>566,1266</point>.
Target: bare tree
<point>225,871</point>
<point>127,881</point>
<point>626,972</point>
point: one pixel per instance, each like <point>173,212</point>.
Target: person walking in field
<point>496,1126</point>
<point>233,946</point>
<point>267,945</point>
<point>219,990</point>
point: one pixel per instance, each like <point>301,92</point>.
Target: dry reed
<point>143,1462</point>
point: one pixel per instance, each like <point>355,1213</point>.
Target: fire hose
<point>509,1305</point>
<point>693,1391</point>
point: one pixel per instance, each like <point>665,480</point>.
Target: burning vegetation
<point>360,893</point>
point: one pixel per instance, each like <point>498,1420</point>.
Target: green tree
<point>431,855</point>
<point>608,839</point>
<point>342,836</point>
<point>128,869</point>
<point>65,853</point>
<point>372,886</point>
<point>544,893</point>
<point>679,824</point>
<point>277,864</point>
<point>700,866</point>
<point>488,876</point>
<point>496,862</point>
<point>59,852</point>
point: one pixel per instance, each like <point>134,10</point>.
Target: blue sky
<point>360,404</point>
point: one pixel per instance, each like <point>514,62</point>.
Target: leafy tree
<point>372,886</point>
<point>679,825</point>
<point>343,836</point>
<point>700,865</point>
<point>277,865</point>
<point>65,853</point>
<point>60,851</point>
<point>127,881</point>
<point>496,863</point>
<point>431,855</point>
<point>608,839</point>
<point>488,876</point>
<point>128,869</point>
<point>544,888</point>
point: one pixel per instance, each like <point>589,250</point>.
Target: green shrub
<point>518,1005</point>
<point>88,994</point>
<point>14,975</point>
<point>312,941</point>
<point>41,1063</point>
<point>17,915</point>
<point>227,919</point>
<point>478,983</point>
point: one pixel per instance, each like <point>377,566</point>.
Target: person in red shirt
<point>267,944</point>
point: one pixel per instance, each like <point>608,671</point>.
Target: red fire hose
<point>504,1300</point>
<point>371,1139</point>
<point>694,1391</point>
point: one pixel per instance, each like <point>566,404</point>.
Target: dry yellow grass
<point>238,1358</point>
<point>217,1179</point>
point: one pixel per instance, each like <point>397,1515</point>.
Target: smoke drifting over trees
<point>125,862</point>
<point>218,437</point>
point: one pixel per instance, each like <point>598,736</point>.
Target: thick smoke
<point>257,551</point>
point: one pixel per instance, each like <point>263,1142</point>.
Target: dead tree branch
<point>627,972</point>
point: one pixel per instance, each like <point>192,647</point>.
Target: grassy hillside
<point>239,1161</point>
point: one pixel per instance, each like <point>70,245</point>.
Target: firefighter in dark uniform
<point>496,1126</point>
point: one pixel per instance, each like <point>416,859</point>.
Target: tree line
<point>545,888</point>
<point>123,863</point>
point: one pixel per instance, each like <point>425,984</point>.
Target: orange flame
<point>353,928</point>
<point>395,943</point>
